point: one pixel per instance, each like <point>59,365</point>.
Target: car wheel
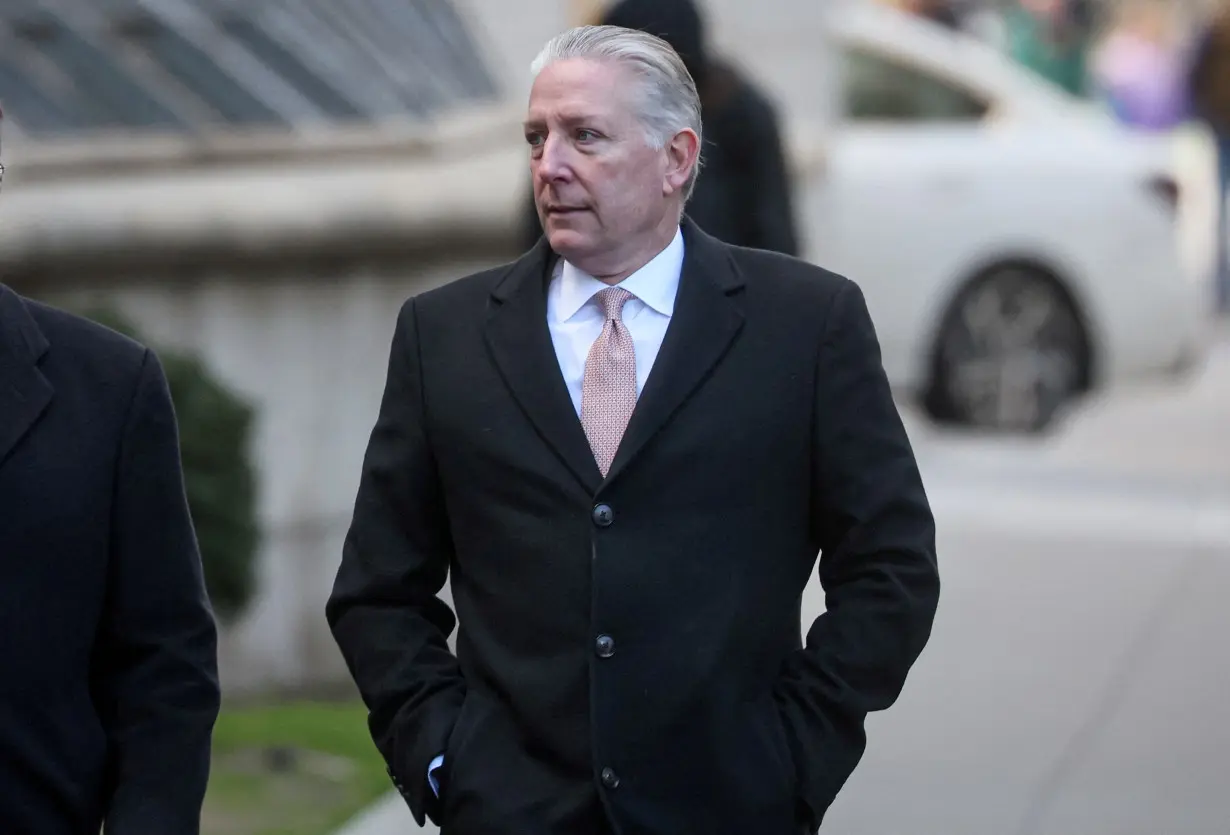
<point>1012,352</point>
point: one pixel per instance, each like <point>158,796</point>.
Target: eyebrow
<point>569,119</point>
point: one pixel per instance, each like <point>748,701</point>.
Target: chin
<point>569,243</point>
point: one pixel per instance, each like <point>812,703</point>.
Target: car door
<point>893,203</point>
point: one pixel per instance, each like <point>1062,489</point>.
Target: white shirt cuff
<point>431,774</point>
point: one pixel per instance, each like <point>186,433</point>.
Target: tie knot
<point>612,300</point>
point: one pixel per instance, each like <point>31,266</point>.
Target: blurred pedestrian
<point>745,197</point>
<point>1209,86</point>
<point>1141,67</point>
<point>627,448</point>
<point>1053,39</point>
<point>108,680</point>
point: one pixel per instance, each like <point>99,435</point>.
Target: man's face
<point>600,189</point>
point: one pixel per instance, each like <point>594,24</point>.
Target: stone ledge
<point>369,203</point>
<point>115,154</point>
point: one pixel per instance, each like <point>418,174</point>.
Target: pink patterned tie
<point>608,390</point>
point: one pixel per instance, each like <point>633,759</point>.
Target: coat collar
<point>708,316</point>
<point>24,391</point>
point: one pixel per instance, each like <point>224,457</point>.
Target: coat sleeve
<point>385,610</point>
<point>154,673</point>
<point>878,564</point>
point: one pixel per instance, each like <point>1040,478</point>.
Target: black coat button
<point>605,646</point>
<point>603,515</point>
<point>610,779</point>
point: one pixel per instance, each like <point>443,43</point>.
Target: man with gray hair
<point>746,197</point>
<point>627,448</point>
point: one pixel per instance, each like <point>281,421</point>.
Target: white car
<point>1016,246</point>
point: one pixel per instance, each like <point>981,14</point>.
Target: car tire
<point>1011,353</point>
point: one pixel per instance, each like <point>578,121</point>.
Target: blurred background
<point>1030,192</point>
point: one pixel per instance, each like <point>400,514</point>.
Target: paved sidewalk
<point>389,816</point>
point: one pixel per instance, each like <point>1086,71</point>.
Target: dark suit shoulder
<point>460,295</point>
<point>88,356</point>
<point>74,332</point>
<point>787,276</point>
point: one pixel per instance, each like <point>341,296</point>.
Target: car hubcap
<point>1013,353</point>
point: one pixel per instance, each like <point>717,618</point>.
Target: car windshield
<point>877,88</point>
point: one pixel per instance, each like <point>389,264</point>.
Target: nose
<point>554,162</point>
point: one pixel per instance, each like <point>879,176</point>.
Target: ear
<point>682,155</point>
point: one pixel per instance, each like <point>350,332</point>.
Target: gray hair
<point>669,101</point>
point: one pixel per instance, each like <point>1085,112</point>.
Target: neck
<point>627,262</point>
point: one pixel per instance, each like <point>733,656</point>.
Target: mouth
<point>565,210</point>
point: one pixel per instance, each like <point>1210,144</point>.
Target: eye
<point>533,139</point>
<point>586,135</point>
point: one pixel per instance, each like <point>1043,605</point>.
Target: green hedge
<point>215,428</point>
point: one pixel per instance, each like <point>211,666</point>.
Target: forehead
<point>579,88</point>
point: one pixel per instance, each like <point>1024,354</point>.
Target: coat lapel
<point>521,347</point>
<point>24,391</point>
<point>708,315</point>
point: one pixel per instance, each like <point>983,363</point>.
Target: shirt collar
<point>655,284</point>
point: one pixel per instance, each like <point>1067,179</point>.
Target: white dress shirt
<point>576,320</point>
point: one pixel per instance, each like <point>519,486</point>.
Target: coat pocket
<point>775,730</point>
